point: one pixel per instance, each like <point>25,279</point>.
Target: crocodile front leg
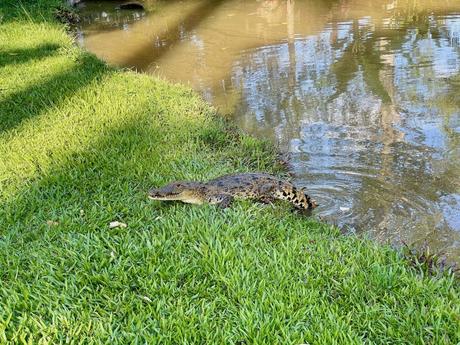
<point>267,199</point>
<point>266,194</point>
<point>221,200</point>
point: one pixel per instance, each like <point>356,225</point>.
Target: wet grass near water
<point>81,143</point>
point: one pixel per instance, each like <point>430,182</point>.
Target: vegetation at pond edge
<point>81,143</point>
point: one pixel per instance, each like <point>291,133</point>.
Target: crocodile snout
<point>156,194</point>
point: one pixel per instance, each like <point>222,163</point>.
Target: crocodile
<point>223,190</point>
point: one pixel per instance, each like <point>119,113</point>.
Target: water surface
<point>365,95</point>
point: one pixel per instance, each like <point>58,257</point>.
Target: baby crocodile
<point>222,190</point>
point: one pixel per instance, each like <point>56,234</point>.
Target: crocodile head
<point>183,191</point>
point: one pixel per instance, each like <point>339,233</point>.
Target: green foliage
<point>81,143</point>
<point>425,262</point>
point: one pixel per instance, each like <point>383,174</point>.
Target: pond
<point>364,94</point>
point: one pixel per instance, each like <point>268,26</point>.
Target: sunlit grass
<point>80,144</point>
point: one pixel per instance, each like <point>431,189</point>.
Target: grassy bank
<point>80,144</point>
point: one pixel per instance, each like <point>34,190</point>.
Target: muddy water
<point>364,94</point>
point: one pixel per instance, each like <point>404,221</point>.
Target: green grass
<point>81,143</point>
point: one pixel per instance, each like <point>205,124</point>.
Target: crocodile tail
<point>295,196</point>
<point>302,200</point>
<point>307,201</point>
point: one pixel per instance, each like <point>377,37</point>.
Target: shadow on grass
<point>96,178</point>
<point>19,56</point>
<point>31,10</point>
<point>35,99</point>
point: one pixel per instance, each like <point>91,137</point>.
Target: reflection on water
<point>364,94</point>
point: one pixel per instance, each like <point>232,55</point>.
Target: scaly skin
<point>222,191</point>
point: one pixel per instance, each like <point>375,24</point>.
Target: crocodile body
<point>222,190</point>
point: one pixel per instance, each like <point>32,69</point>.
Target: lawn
<point>81,143</point>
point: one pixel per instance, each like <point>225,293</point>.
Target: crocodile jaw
<point>183,198</point>
<point>192,200</point>
<point>164,198</point>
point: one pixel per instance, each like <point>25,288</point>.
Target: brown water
<point>365,94</point>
